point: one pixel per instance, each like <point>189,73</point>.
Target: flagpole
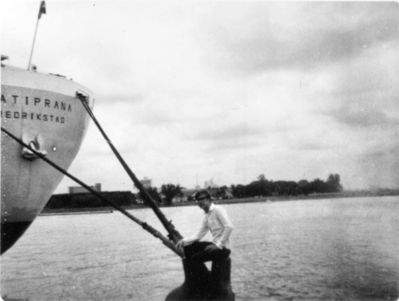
<point>33,44</point>
<point>42,10</point>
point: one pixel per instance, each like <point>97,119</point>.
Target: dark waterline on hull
<point>10,232</point>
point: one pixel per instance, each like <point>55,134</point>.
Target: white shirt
<point>218,223</point>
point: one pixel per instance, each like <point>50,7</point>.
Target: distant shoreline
<point>75,211</point>
<point>315,196</point>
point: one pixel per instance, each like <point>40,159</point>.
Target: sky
<point>190,91</point>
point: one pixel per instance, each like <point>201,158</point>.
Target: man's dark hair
<point>202,195</point>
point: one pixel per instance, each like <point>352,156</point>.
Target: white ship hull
<point>43,110</point>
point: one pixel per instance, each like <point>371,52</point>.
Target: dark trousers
<point>214,284</point>
<point>203,251</point>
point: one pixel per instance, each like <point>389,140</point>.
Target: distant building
<point>147,183</point>
<point>188,194</point>
<point>80,189</point>
<point>209,184</point>
<point>87,200</point>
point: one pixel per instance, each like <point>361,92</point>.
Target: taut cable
<point>174,235</point>
<point>145,226</point>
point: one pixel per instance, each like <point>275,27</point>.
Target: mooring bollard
<point>202,284</point>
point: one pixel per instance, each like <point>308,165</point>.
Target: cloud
<point>297,35</point>
<point>227,90</point>
<point>378,167</point>
<point>240,136</point>
<point>363,92</point>
<point>236,131</point>
<point>360,115</point>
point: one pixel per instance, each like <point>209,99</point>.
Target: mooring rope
<point>145,226</point>
<point>174,235</point>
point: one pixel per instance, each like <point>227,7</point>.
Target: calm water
<point>341,249</point>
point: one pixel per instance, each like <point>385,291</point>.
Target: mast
<point>42,10</point>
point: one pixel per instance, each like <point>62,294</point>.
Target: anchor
<point>199,283</point>
<point>35,143</point>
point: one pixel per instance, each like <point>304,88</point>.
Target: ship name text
<point>30,106</point>
<point>32,116</point>
<point>37,101</point>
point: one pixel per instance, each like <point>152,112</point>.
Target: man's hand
<point>180,244</point>
<point>218,244</point>
<point>184,242</point>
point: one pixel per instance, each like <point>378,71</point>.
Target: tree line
<point>168,192</point>
<point>264,187</point>
<point>260,187</point>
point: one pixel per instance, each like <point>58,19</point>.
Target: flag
<point>42,9</point>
